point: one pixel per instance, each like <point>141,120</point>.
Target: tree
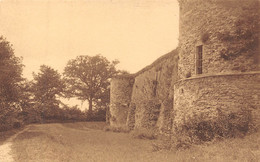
<point>88,79</point>
<point>10,80</point>
<point>47,86</point>
<point>10,73</point>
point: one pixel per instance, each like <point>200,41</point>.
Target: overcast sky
<point>51,32</point>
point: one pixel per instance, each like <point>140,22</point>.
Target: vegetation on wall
<point>205,37</point>
<point>198,128</point>
<point>244,38</point>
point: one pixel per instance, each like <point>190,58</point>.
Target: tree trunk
<point>90,107</point>
<point>107,115</point>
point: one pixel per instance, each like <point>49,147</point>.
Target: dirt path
<point>75,142</point>
<point>6,148</point>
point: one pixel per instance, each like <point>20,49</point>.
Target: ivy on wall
<point>244,39</point>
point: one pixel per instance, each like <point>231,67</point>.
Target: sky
<point>51,32</point>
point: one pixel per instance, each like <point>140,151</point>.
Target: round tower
<point>218,68</point>
<point>120,98</point>
<point>218,36</point>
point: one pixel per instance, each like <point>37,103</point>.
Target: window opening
<point>199,59</point>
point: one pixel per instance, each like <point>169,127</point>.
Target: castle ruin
<point>209,84</point>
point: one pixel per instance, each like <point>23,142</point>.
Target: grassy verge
<point>143,133</point>
<point>116,129</point>
<point>232,149</point>
<point>88,125</point>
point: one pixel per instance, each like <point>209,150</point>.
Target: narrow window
<point>156,81</point>
<point>199,59</point>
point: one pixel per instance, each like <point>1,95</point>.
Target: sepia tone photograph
<point>129,80</point>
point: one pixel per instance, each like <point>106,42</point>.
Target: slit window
<point>199,53</point>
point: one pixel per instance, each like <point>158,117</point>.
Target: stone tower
<point>218,36</point>
<point>218,63</point>
<point>209,85</point>
<point>120,98</point>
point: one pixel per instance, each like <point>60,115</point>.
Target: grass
<point>233,149</point>
<point>144,134</point>
<point>76,125</point>
<point>86,125</point>
<point>117,129</point>
<point>72,142</point>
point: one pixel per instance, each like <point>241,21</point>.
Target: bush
<point>17,124</point>
<point>8,117</point>
<point>97,115</point>
<point>198,129</point>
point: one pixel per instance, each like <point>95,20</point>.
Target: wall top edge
<point>156,62</point>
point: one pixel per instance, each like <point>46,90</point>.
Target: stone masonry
<point>214,75</point>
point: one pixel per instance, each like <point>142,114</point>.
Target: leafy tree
<point>88,77</point>
<point>10,73</point>
<point>29,112</point>
<point>47,87</point>
<point>72,113</point>
<point>10,79</point>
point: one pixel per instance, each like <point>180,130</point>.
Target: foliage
<point>10,80</point>
<point>97,115</point>
<point>244,39</point>
<point>226,125</point>
<point>72,113</point>
<point>87,78</point>
<point>47,87</point>
<point>10,73</point>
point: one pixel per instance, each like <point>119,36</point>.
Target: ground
<point>88,142</point>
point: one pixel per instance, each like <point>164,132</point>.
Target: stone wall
<point>228,31</point>
<point>224,100</point>
<point>150,97</point>
<point>120,98</point>
<point>205,98</point>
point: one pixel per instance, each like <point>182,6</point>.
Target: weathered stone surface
<point>168,95</point>
<point>217,25</point>
<point>151,88</point>
<point>120,98</point>
<point>203,98</point>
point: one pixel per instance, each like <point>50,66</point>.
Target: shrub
<point>17,124</point>
<point>225,125</point>
<point>97,115</point>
